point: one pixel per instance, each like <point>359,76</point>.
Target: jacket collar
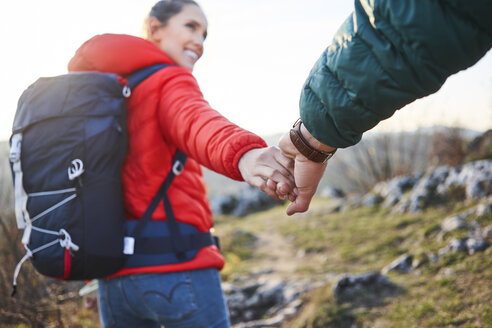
<point>117,53</point>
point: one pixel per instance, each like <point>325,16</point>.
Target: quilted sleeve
<point>386,55</point>
<point>188,121</point>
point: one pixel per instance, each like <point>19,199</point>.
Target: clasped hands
<point>283,172</point>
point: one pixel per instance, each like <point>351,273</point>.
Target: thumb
<point>300,205</point>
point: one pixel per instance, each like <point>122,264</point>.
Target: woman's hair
<point>165,9</point>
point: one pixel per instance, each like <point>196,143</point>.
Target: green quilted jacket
<point>387,54</point>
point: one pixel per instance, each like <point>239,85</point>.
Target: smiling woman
<point>181,36</point>
<point>172,132</point>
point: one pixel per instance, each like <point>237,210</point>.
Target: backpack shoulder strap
<point>139,76</point>
<point>178,163</point>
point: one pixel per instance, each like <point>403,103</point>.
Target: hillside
<point>345,263</point>
<point>323,248</point>
<point>365,263</point>
<point>404,255</point>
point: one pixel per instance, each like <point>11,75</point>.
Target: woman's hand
<point>268,170</point>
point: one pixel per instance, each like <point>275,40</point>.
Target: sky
<point>257,56</point>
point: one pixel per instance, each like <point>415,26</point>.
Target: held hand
<point>268,170</point>
<point>307,175</point>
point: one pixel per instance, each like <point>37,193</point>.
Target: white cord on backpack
<point>17,270</point>
<point>54,207</point>
<point>65,242</point>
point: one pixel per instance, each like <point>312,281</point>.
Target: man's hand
<point>268,170</point>
<point>307,174</point>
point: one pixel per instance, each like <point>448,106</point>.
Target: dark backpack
<point>67,148</point>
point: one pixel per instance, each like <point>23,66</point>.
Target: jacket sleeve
<point>387,54</point>
<point>188,121</point>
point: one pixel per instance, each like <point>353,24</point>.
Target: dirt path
<point>276,253</point>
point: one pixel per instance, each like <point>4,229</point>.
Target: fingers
<point>269,187</point>
<point>284,161</point>
<point>284,190</point>
<point>272,185</point>
<point>272,165</point>
<point>273,158</point>
<point>276,180</point>
<point>271,172</point>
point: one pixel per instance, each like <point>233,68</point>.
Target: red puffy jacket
<point>167,112</point>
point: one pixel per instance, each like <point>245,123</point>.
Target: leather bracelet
<point>305,148</point>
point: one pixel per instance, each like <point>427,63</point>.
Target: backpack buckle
<point>66,241</point>
<point>177,168</point>
<point>75,169</point>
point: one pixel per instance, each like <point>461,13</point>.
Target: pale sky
<point>257,56</point>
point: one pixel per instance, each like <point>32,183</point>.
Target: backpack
<point>66,151</point>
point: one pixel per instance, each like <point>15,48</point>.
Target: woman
<point>167,112</point>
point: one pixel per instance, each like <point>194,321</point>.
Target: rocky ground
<point>272,287</point>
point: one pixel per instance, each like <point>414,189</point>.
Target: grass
<point>461,299</point>
<point>455,291</point>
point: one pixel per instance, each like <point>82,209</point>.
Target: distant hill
<point>352,169</point>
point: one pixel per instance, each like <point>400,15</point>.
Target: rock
<point>272,322</point>
<point>355,288</point>
<point>331,192</point>
<point>454,245</point>
<point>248,200</point>
<point>434,258</point>
<point>402,207</point>
<point>476,245</point>
<point>487,232</point>
<point>470,181</point>
<point>453,223</point>
<point>470,245</point>
<point>475,177</point>
<point>223,204</point>
<point>483,209</point>
<point>424,191</point>
<point>476,230</point>
<point>392,191</point>
<point>402,264</point>
<point>261,297</point>
<point>267,295</point>
<point>372,199</point>
<point>457,245</point>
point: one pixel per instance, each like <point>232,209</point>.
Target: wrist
<point>242,163</point>
<point>309,146</point>
<point>314,142</point>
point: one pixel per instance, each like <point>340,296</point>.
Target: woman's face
<point>183,35</point>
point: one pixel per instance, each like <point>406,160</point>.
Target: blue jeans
<point>187,299</point>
